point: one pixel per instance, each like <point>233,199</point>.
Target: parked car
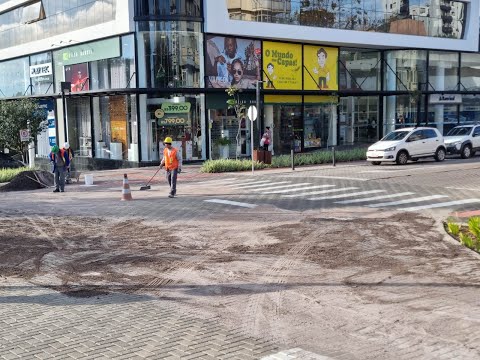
<point>8,162</point>
<point>406,144</point>
<point>463,140</point>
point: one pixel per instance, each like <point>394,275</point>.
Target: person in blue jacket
<point>61,162</point>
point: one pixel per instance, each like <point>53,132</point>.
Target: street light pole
<point>64,85</point>
<point>257,100</point>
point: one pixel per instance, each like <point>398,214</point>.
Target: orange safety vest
<point>171,162</point>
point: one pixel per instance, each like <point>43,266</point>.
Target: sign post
<point>24,135</point>
<point>252,115</point>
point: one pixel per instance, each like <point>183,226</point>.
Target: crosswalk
<point>342,195</point>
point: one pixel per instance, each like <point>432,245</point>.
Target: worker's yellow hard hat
<point>168,140</point>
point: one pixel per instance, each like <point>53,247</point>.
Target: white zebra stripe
<point>407,201</point>
<point>438,205</point>
<point>381,197</point>
<point>321,192</point>
<point>347,195</point>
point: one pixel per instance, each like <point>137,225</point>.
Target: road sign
<point>252,113</point>
<point>24,135</point>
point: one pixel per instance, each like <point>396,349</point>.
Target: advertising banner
<point>77,75</point>
<point>282,66</point>
<point>320,68</point>
<point>231,61</point>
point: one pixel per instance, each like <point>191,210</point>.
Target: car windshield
<point>460,131</point>
<point>395,135</point>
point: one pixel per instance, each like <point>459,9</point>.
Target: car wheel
<point>376,162</point>
<point>402,158</point>
<point>440,154</point>
<point>466,152</point>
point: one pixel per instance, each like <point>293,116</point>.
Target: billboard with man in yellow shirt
<point>320,68</point>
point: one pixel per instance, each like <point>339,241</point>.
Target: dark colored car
<point>8,162</point>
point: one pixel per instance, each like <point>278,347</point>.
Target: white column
<point>390,101</point>
<point>439,84</point>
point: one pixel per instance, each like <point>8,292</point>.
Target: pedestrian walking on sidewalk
<point>60,161</point>
<point>172,160</point>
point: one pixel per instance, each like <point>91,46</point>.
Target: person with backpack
<point>61,162</point>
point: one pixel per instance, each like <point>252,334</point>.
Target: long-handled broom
<point>146,186</point>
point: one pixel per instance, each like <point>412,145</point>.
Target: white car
<point>463,140</point>
<point>406,144</point>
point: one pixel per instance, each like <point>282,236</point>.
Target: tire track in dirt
<point>278,274</point>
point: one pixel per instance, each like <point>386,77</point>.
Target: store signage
<point>41,70</point>
<point>177,108</point>
<point>282,65</point>
<point>445,99</point>
<point>99,50</point>
<point>52,137</point>
<point>174,120</point>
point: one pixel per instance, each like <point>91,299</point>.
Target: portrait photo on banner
<point>320,68</point>
<point>231,61</point>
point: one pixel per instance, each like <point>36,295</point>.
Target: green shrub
<point>319,157</point>
<point>474,226</point>
<point>467,241</point>
<point>229,165</point>
<point>222,141</point>
<point>453,228</point>
<point>7,175</point>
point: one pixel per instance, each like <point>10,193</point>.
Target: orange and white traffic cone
<point>126,193</point>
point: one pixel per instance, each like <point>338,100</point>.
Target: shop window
<point>115,128</point>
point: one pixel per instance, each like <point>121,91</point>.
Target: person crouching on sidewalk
<point>172,160</point>
<point>60,162</point>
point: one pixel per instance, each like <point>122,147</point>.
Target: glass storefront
<point>177,116</point>
<point>229,132</point>
<point>79,129</point>
<point>359,69</point>
<point>115,127</point>
<point>319,123</point>
<point>358,120</point>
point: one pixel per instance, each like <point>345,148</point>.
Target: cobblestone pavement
<point>39,323</point>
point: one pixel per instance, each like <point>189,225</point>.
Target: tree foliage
<point>17,115</point>
<point>240,111</point>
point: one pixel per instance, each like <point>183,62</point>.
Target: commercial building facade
<point>329,72</point>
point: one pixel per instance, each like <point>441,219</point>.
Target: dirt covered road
<point>375,286</point>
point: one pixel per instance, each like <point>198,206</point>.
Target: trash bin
<point>267,157</point>
<point>259,155</point>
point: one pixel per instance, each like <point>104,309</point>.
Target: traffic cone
<point>126,193</point>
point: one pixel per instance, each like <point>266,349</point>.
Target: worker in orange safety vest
<point>172,160</point>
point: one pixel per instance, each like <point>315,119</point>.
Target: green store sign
<point>104,49</point>
<point>176,108</point>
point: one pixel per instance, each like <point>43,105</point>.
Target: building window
<point>169,54</point>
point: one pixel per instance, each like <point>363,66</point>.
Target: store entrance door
<point>358,119</point>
